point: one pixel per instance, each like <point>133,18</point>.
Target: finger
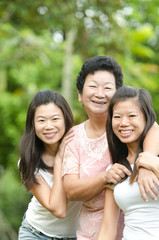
<point>68,137</point>
<point>143,193</point>
<point>115,178</point>
<point>149,190</point>
<point>127,171</point>
<point>69,134</point>
<point>154,186</point>
<point>154,191</point>
<point>111,177</point>
<point>151,187</point>
<point>68,140</point>
<point>115,173</point>
<point>123,169</point>
<point>71,130</point>
<point>64,143</point>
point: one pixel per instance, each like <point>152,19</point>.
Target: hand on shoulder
<point>116,173</point>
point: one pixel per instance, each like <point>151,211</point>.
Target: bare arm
<point>148,161</point>
<point>86,188</point>
<point>54,200</point>
<point>147,177</point>
<point>108,228</point>
<point>151,142</point>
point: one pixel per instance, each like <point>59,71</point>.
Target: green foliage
<point>33,48</point>
<point>12,111</point>
<point>14,198</point>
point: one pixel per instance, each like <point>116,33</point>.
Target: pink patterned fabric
<point>88,157</point>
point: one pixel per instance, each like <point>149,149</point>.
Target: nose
<point>48,125</point>
<point>100,92</point>
<point>124,121</point>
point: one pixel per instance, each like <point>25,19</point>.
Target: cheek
<point>144,124</point>
<point>110,94</point>
<point>37,130</point>
<point>113,126</point>
<point>38,135</point>
<point>62,127</point>
<point>63,131</point>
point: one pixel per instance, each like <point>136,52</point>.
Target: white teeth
<point>125,132</point>
<point>49,134</point>
<point>99,102</point>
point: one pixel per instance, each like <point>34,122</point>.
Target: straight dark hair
<point>118,149</point>
<point>32,147</point>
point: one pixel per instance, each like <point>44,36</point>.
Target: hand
<point>116,173</point>
<point>146,181</point>
<point>66,139</point>
<point>148,161</point>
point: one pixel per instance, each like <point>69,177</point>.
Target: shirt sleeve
<point>70,163</point>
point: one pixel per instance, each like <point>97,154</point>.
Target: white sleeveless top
<point>141,218</point>
<point>44,221</point>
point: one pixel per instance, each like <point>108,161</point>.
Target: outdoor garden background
<point>43,44</point>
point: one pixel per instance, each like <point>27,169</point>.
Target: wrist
<point>105,178</point>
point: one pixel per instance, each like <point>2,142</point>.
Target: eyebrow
<point>54,115</point>
<point>128,112</point>
<point>96,81</point>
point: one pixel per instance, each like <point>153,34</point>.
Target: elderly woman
<point>87,155</point>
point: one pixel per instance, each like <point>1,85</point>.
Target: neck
<point>51,149</point>
<point>49,154</point>
<point>95,128</point>
<point>132,152</point>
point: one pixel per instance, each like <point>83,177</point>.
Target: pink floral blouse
<point>87,157</point>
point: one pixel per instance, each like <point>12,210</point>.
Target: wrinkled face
<point>97,91</point>
<point>49,123</point>
<point>128,121</point>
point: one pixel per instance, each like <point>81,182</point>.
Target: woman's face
<point>128,121</point>
<point>49,123</point>
<point>97,91</point>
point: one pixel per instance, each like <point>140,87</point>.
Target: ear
<point>79,96</point>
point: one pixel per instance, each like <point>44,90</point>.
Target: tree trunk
<point>67,78</point>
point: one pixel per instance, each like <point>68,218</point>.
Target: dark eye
<point>55,118</point>
<point>41,120</point>
<point>132,115</point>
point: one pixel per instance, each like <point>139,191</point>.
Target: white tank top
<point>44,221</point>
<point>141,218</point>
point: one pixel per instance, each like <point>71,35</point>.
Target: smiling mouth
<point>49,134</point>
<point>126,131</point>
<point>100,103</point>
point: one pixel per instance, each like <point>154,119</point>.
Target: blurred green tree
<point>43,45</point>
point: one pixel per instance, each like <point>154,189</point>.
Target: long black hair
<point>32,147</point>
<point>118,149</point>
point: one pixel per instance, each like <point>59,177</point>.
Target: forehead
<point>49,108</point>
<point>127,105</point>
<point>100,75</point>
